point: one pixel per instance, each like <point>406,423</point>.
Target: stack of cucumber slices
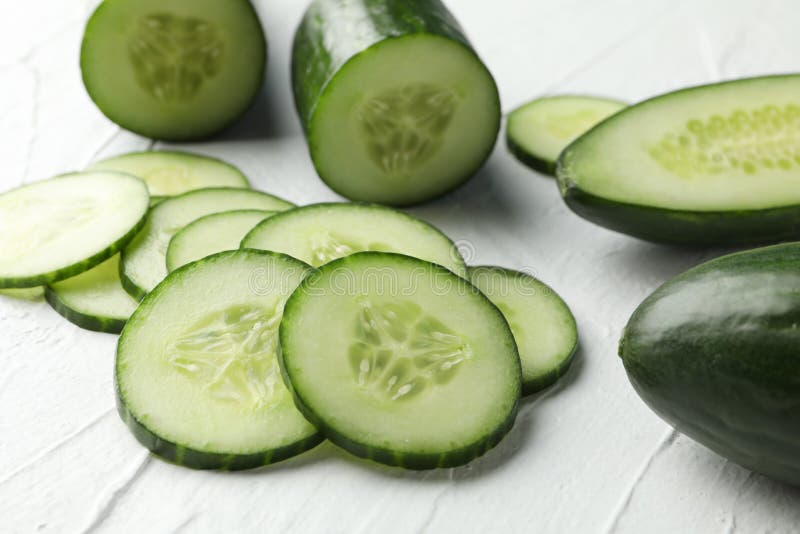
<point>252,329</point>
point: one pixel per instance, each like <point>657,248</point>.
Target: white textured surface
<point>587,456</point>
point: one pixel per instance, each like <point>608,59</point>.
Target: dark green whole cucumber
<point>714,352</point>
<point>396,105</point>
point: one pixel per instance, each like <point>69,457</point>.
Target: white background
<point>587,456</point>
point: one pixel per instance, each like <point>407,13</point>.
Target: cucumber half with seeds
<point>715,164</point>
<point>405,363</point>
<point>211,234</point>
<point>172,173</point>
<point>538,131</point>
<point>543,326</point>
<point>320,233</point>
<point>398,109</point>
<point>144,262</point>
<point>57,228</point>
<point>197,377</point>
<point>94,299</point>
<point>173,69</point>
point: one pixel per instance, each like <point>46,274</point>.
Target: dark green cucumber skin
<point>417,461</point>
<point>529,160</point>
<point>88,322</point>
<point>714,352</point>
<point>317,58</point>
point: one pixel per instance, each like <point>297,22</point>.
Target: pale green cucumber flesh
<point>57,228</point>
<point>320,233</point>
<point>144,263</point>
<point>538,131</point>
<point>173,70</point>
<point>168,173</point>
<point>399,360</point>
<point>198,380</point>
<point>542,323</point>
<point>94,299</point>
<point>211,234</point>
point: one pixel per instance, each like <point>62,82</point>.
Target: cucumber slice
<point>173,70</point>
<point>197,376</point>
<point>211,234</point>
<point>24,293</point>
<point>543,326</point>
<point>538,131</point>
<point>398,109</point>
<point>715,164</point>
<point>172,173</point>
<point>144,262</point>
<point>58,228</point>
<point>319,233</point>
<point>401,361</point>
<point>95,299</point>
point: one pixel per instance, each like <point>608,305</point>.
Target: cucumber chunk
<point>320,233</point>
<point>538,131</point>
<point>172,173</point>
<point>197,377</point>
<point>715,164</point>
<point>398,109</point>
<point>95,299</point>
<point>543,326</point>
<point>173,70</point>
<point>211,234</point>
<point>144,262</point>
<point>400,361</point>
<point>57,228</point>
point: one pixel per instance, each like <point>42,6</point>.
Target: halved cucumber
<point>172,173</point>
<point>319,233</point>
<point>144,262</point>
<point>712,164</point>
<point>211,234</point>
<point>94,299</point>
<point>401,361</point>
<point>542,324</point>
<point>173,69</point>
<point>538,131</point>
<point>60,227</point>
<point>197,376</point>
<point>398,109</point>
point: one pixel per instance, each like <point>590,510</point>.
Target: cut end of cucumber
<point>178,70</point>
<point>424,123</point>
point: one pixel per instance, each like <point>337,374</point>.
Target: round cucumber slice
<point>176,69</point>
<point>538,131</point>
<point>319,233</point>
<point>60,227</point>
<point>144,262</point>
<point>172,173</point>
<point>197,377</point>
<point>401,361</point>
<point>543,326</point>
<point>211,234</point>
<point>95,299</point>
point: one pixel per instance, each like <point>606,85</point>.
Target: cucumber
<point>538,131</point>
<point>714,353</point>
<point>542,323</point>
<point>210,234</point>
<point>24,293</point>
<point>197,376</point>
<point>395,103</point>
<point>715,164</point>
<point>57,228</point>
<point>173,69</point>
<point>144,262</point>
<point>400,361</point>
<point>94,300</point>
<point>319,233</point>
<point>172,173</point>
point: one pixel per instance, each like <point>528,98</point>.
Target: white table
<point>586,456</point>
